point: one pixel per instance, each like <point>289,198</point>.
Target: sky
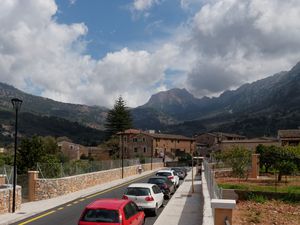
<point>91,52</point>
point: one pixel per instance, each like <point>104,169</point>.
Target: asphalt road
<point>69,213</point>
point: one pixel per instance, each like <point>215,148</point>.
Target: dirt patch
<point>268,213</point>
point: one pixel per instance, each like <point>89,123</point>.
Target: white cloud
<point>142,5</point>
<point>37,53</point>
<point>227,43</point>
<point>242,40</point>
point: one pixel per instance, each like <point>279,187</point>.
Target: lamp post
<point>17,106</point>
<point>122,150</point>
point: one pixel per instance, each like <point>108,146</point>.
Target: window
<point>156,189</point>
<point>101,215</point>
<point>125,149</point>
<point>144,140</point>
<point>130,210</point>
<point>178,141</point>
<point>145,149</point>
<point>125,139</point>
<point>135,149</point>
<point>134,139</point>
<point>136,191</point>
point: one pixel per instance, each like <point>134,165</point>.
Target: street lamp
<point>17,106</point>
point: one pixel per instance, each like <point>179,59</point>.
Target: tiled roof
<point>228,135</point>
<point>169,136</point>
<point>157,135</point>
<point>289,133</point>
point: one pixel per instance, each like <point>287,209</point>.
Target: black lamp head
<point>16,103</point>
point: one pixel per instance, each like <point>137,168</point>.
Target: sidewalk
<point>32,208</point>
<point>185,207</point>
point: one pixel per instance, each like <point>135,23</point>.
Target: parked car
<point>166,186</point>
<point>147,196</point>
<point>112,212</point>
<point>170,175</point>
<point>180,172</point>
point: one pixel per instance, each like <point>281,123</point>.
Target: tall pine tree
<point>118,118</point>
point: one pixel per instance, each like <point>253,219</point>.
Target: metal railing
<point>58,170</point>
<point>8,172</point>
<point>213,188</point>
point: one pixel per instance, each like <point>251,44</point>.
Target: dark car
<point>165,185</point>
<point>181,173</point>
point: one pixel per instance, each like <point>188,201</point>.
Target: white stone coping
<point>223,203</point>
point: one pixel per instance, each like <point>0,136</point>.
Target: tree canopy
<point>118,118</point>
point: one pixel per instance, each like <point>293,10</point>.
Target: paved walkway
<point>185,207</point>
<point>32,208</point>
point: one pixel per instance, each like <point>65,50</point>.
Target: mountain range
<point>256,109</point>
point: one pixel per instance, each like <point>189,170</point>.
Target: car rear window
<point>156,181</point>
<point>164,174</point>
<point>136,191</point>
<point>101,215</point>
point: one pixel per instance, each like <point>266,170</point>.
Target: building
<point>249,144</point>
<point>140,143</point>
<point>289,137</point>
<point>208,142</point>
<point>71,150</point>
<point>211,139</point>
<point>75,151</point>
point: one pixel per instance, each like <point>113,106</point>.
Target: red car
<point>112,212</point>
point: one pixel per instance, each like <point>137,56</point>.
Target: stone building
<point>249,144</point>
<point>140,143</point>
<point>289,137</point>
<point>208,142</point>
<point>75,151</point>
<point>71,150</point>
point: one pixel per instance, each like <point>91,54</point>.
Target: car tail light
<point>170,177</point>
<point>125,197</point>
<point>149,198</point>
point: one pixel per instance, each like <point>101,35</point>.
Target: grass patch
<point>257,198</point>
<point>253,187</point>
<point>234,186</point>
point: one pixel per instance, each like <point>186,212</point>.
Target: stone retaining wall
<point>50,188</point>
<point>6,196</point>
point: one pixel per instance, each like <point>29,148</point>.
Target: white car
<point>170,174</point>
<point>146,196</point>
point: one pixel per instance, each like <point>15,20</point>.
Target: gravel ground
<point>268,213</point>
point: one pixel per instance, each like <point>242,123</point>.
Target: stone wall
<point>6,196</point>
<point>50,188</point>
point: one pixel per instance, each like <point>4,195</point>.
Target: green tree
<point>118,118</point>
<point>37,150</point>
<point>267,158</point>
<point>29,153</point>
<point>112,145</point>
<point>285,161</point>
<point>239,159</point>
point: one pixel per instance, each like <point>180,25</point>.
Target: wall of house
<point>169,145</point>
<point>207,139</point>
<point>136,145</point>
<point>249,145</point>
<point>50,188</point>
<point>6,196</point>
